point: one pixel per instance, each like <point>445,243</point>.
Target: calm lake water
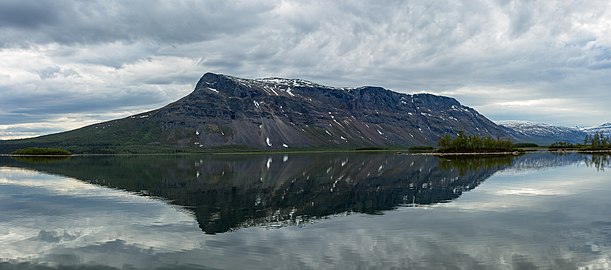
<point>306,211</point>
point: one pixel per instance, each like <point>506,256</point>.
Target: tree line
<point>597,141</point>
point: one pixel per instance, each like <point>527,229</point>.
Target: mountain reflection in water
<point>228,192</point>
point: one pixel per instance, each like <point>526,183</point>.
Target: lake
<point>306,211</point>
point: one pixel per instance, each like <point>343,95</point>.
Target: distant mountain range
<point>229,113</point>
<point>545,134</point>
<point>604,129</point>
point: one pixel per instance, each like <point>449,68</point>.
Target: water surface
<point>306,211</point>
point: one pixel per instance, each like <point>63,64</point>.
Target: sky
<point>67,64</point>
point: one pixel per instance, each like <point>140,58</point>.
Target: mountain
<point>274,113</point>
<point>543,134</point>
<point>604,128</point>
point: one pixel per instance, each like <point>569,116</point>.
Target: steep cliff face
<point>276,113</point>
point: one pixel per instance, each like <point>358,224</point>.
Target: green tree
<point>587,140</point>
<point>444,141</point>
<point>595,140</point>
<point>473,143</point>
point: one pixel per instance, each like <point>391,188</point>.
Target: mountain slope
<point>543,134</point>
<point>275,113</point>
<point>604,129</point>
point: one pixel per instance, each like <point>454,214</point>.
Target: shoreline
<point>514,153</point>
<point>396,151</point>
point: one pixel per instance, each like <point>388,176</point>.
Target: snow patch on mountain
<point>544,133</point>
<point>604,128</point>
<point>538,129</point>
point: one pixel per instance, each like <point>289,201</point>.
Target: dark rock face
<point>280,113</point>
<point>275,113</point>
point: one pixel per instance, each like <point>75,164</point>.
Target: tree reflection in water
<point>600,161</point>
<point>465,164</point>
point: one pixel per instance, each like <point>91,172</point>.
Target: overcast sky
<point>65,64</point>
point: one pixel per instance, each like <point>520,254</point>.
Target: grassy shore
<point>36,151</point>
<point>456,151</point>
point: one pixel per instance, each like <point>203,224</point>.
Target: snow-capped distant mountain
<point>542,133</point>
<point>604,128</point>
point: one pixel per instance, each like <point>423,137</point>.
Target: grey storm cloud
<point>544,61</point>
<point>26,15</point>
<point>86,22</point>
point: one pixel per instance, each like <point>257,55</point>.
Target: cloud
<point>125,55</point>
<point>87,22</point>
<point>27,14</point>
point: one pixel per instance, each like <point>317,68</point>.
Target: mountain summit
<point>276,113</point>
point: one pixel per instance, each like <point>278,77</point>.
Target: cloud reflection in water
<point>559,223</point>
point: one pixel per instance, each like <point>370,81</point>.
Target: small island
<point>38,151</point>
<point>463,143</point>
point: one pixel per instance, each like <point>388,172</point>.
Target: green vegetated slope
<point>109,137</point>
